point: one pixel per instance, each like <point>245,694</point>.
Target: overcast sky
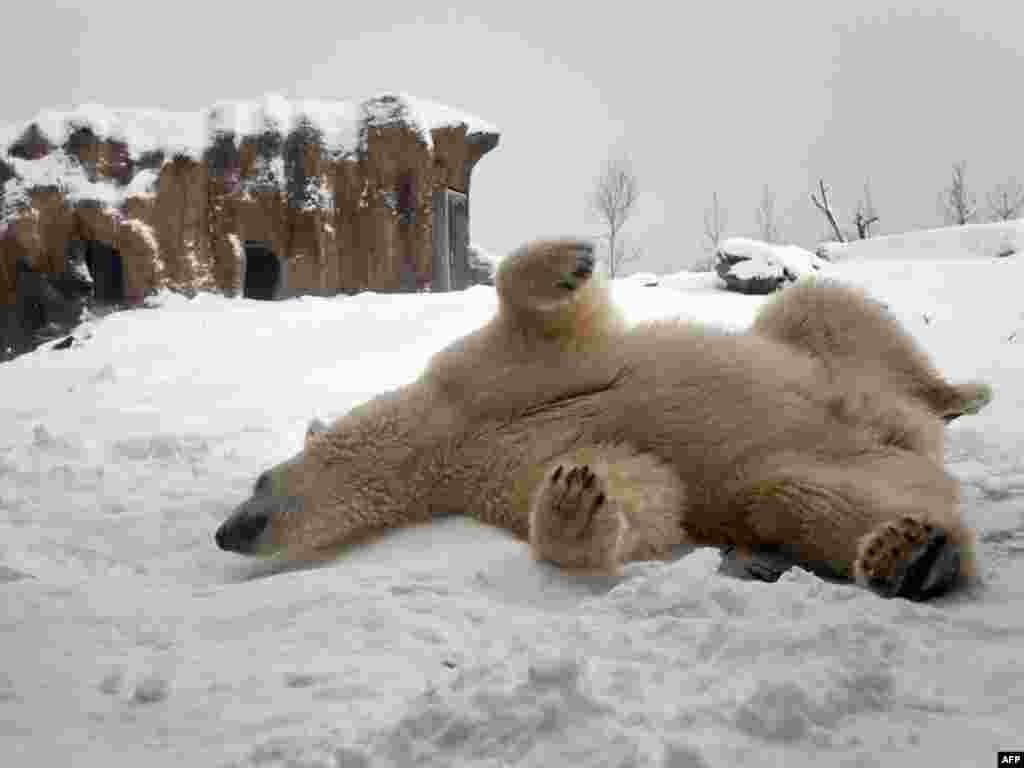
<point>731,98</point>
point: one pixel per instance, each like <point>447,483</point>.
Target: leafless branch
<point>825,207</point>
<point>766,223</point>
<point>613,200</point>
<point>956,201</point>
<point>865,215</point>
<point>1006,202</point>
<point>714,223</point>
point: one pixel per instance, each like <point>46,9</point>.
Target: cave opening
<point>262,272</point>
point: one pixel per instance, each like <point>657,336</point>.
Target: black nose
<point>239,532</point>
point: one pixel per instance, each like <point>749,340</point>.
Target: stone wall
<point>359,221</point>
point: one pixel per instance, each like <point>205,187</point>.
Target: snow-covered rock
<point>756,267</point>
<point>482,265</point>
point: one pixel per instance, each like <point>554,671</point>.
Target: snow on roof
<point>56,170</point>
<point>189,133</point>
<point>430,114</point>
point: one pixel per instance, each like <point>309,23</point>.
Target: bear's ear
<point>316,427</point>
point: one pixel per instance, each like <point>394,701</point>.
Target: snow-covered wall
<point>190,133</point>
<point>342,191</point>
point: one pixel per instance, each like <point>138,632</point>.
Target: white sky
<point>733,98</point>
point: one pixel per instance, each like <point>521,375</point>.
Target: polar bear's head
<point>351,477</point>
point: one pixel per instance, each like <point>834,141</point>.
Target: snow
<point>644,278</point>
<point>57,170</point>
<point>482,259</point>
<point>143,184</point>
<point>130,639</point>
<point>189,133</point>
<point>970,241</point>
<point>8,133</point>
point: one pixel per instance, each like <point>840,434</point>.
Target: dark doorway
<point>107,270</point>
<point>262,272</point>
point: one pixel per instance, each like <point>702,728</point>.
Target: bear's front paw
<point>571,522</point>
<point>908,558</point>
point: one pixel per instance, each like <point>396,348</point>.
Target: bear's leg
<point>889,520</point>
<point>549,289</point>
<point>760,565</point>
<point>853,334</point>
<point>597,516</point>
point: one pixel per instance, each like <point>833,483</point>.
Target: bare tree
<point>714,223</point>
<point>614,198</point>
<point>866,214</point>
<point>956,201</point>
<point>766,222</point>
<point>825,207</point>
<point>1006,202</point>
<point>625,251</point>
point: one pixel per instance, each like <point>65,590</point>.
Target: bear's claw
<point>572,523</point>
<point>576,503</point>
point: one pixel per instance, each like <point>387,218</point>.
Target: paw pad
<point>584,263</point>
<point>582,269</point>
<point>576,495</point>
<point>909,558</point>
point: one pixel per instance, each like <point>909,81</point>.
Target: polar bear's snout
<point>249,531</point>
<point>240,531</point>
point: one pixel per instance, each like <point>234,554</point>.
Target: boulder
<point>759,268</point>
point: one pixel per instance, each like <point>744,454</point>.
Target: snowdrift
<point>130,639</point>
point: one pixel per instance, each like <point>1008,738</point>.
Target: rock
<point>47,305</point>
<point>65,344</point>
<point>759,268</point>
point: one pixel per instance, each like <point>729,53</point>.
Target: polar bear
<point>818,433</point>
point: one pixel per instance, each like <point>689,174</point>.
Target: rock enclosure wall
<point>339,221</point>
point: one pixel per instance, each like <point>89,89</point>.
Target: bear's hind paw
<point>908,558</point>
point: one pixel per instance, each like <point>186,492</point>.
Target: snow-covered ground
<point>129,639</point>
